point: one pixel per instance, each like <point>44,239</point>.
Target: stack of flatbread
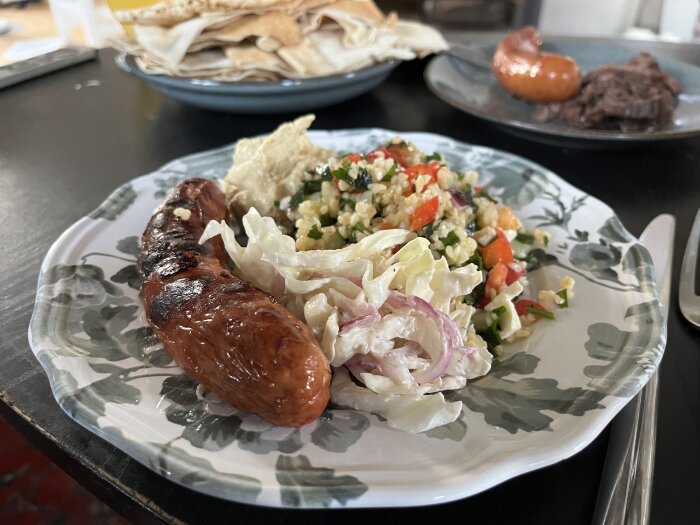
<point>259,40</point>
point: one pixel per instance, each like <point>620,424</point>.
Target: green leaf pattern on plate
<point>520,405</point>
<point>238,488</point>
<point>304,485</point>
<point>113,207</point>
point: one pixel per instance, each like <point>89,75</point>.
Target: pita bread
<point>280,26</point>
<point>163,13</point>
<point>268,43</point>
<point>170,12</point>
<point>212,64</point>
<point>268,168</point>
<point>306,60</point>
<point>363,9</point>
<point>257,40</point>
<point>199,64</point>
<point>224,75</point>
<point>356,32</point>
<point>169,44</point>
<point>250,57</point>
<point>341,58</point>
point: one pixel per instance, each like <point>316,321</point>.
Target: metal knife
<point>624,496</point>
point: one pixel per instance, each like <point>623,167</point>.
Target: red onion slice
<point>362,321</point>
<point>451,336</point>
<point>458,197</point>
<point>366,362</point>
<point>279,285</point>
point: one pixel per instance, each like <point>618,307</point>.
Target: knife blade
<point>657,237</point>
<point>624,495</point>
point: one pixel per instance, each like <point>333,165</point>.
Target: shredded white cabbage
<point>390,320</point>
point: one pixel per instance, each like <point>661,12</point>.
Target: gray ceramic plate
<point>286,96</point>
<point>474,89</point>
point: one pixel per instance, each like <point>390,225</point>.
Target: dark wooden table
<point>65,145</point>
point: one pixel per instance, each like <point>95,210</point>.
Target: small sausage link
<point>523,69</point>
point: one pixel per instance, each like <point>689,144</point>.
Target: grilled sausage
<point>523,69</point>
<point>231,337</point>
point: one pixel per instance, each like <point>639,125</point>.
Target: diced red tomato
<point>522,305</point>
<point>353,157</point>
<point>422,169</point>
<point>424,214</point>
<point>431,169</point>
<point>403,153</point>
<point>514,275</point>
<point>484,301</point>
<point>478,190</point>
<point>497,276</point>
<point>388,154</point>
<point>497,251</point>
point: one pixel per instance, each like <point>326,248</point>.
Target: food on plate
<point>402,274</point>
<point>267,40</point>
<point>409,274</point>
<point>528,73</point>
<point>266,169</point>
<point>232,338</point>
<point>636,96</point>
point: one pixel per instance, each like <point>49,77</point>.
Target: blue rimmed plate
<point>284,96</point>
<point>472,88</point>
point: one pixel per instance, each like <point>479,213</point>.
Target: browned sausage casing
<point>523,69</point>
<point>231,337</point>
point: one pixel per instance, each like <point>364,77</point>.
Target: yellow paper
<point>119,5</point>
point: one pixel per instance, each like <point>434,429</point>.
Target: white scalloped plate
<point>544,400</point>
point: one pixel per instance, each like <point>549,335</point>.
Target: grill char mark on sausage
<point>231,337</point>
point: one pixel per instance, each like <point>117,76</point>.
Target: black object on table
<point>66,143</point>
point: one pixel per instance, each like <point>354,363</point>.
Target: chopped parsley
<point>312,186</point>
<point>323,172</point>
<point>361,182</point>
<point>450,239</point>
<point>308,187</point>
<point>476,259</point>
<point>539,312</point>
<point>315,233</point>
<point>400,144</point>
<point>564,295</point>
<point>345,201</point>
<point>491,337</point>
<point>429,229</point>
<point>476,296</point>
<point>389,174</point>
<point>326,220</point>
<point>500,310</point>
<point>296,199</point>
<point>485,194</point>
<point>359,227</point>
<point>433,156</point>
<point>525,238</point>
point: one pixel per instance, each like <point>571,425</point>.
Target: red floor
<point>33,490</point>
